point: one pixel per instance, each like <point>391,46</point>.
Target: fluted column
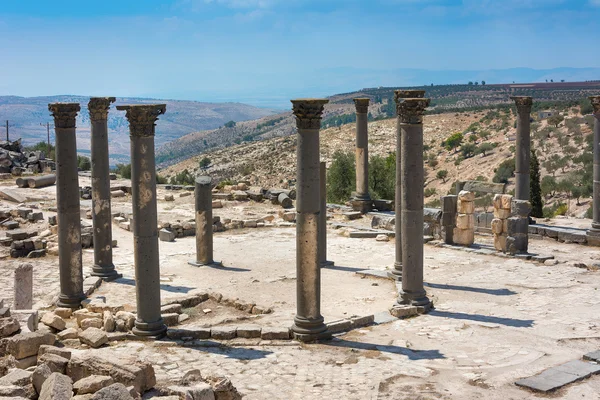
<point>101,212</point>
<point>308,324</point>
<point>523,147</point>
<point>142,119</point>
<point>204,223</point>
<point>67,204</point>
<point>396,273</point>
<point>362,201</point>
<point>323,216</point>
<point>410,118</point>
<point>595,230</point>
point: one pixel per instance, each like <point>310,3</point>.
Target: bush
<point>382,177</point>
<point>84,163</point>
<point>442,174</point>
<point>204,162</point>
<point>468,150</point>
<point>341,177</point>
<point>230,124</point>
<point>124,170</point>
<point>183,178</point>
<point>161,179</point>
<point>505,171</point>
<point>429,192</point>
<point>453,141</point>
<point>484,148</point>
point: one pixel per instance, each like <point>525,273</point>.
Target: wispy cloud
<point>595,3</point>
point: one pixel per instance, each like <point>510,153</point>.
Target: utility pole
<point>7,131</point>
<point>47,132</point>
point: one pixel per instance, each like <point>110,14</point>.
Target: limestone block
<point>248,331</point>
<point>93,337</point>
<point>521,208</point>
<point>274,333</point>
<point>53,321</point>
<point>465,237</point>
<point>54,361</point>
<point>108,321</point>
<point>169,197</point>
<point>39,376</point>
<point>505,225</point>
<point>170,319</point>
<point>127,317</point>
<point>500,242</point>
<point>465,221</point>
<point>466,196</point>
<point>171,308</point>
<point>223,388</point>
<point>69,333</point>
<point>501,213</point>
<point>497,201</point>
<point>223,332</point>
<point>497,226</point>
<point>200,391</point>
<point>506,201</point>
<point>59,351</point>
<point>166,236</point>
<point>465,207</point>
<point>217,204</point>
<point>23,287</point>
<point>87,323</point>
<point>8,326</point>
<point>27,344</point>
<point>57,387</point>
<point>92,384</point>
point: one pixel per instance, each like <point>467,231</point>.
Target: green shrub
<point>505,171</point>
<point>161,179</point>
<point>124,170</point>
<point>442,174</point>
<point>382,177</point>
<point>183,178</point>
<point>429,192</point>
<point>341,177</point>
<point>204,162</point>
<point>84,163</point>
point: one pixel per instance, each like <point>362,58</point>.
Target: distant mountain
<point>25,114</point>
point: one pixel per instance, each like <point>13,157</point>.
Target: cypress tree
<point>535,187</point>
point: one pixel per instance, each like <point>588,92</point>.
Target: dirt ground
<point>495,319</point>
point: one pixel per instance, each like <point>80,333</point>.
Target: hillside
<point>272,162</point>
<point>25,114</point>
<point>473,97</point>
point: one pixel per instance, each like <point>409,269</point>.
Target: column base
<point>396,273</point>
<point>155,329</point>
<point>327,264</point>
<point>208,264</point>
<point>593,237</point>
<point>107,274</point>
<point>362,205</point>
<point>414,299</point>
<point>310,330</point>
<point>73,302</point>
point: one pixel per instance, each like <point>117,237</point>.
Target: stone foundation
<point>464,232</point>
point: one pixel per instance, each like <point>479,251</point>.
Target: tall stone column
<point>523,147</point>
<point>67,205</point>
<point>396,273</point>
<point>101,214</point>
<point>308,324</point>
<point>362,201</point>
<point>204,223</point>
<point>142,120</point>
<point>410,118</point>
<point>594,232</point>
<point>323,216</point>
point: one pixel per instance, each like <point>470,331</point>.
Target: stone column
<point>362,201</point>
<point>410,119</point>
<point>594,232</point>
<point>523,147</point>
<point>101,214</point>
<point>323,217</point>
<point>23,299</point>
<point>204,223</point>
<point>67,204</point>
<point>396,273</point>
<point>308,323</point>
<point>142,120</point>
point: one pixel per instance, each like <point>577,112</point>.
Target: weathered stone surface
<point>27,344</point>
<point>501,213</point>
<point>126,370</point>
<point>81,315</point>
<point>63,312</point>
<point>274,333</point>
<point>465,207</point>
<point>464,237</point>
<point>500,242</point>
<point>593,356</point>
<point>57,387</point>
<point>54,361</point>
<point>92,384</point>
<point>223,332</point>
<point>559,376</point>
<point>23,299</point>
<point>465,195</point>
<point>8,326</point>
<point>93,337</point>
<point>200,391</point>
<point>28,319</point>
<point>92,323</point>
<point>39,376</point>
<point>223,388</point>
<point>248,331</point>
<point>59,351</point>
<point>165,235</point>
<point>192,333</point>
<point>116,391</point>
<point>69,333</point>
<point>171,308</point>
<point>497,226</point>
<point>17,377</point>
<point>170,319</point>
<point>53,321</point>
<point>108,322</point>
<point>465,221</point>
<point>339,326</point>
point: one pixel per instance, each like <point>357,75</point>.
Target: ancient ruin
<point>362,201</point>
<point>204,223</point>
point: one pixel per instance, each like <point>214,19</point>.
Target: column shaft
<point>204,222</point>
<point>362,150</point>
<point>308,323</point>
<point>523,147</point>
<point>323,216</point>
<point>596,201</point>
<point>67,204</point>
<point>141,118</point>
<point>101,210</point>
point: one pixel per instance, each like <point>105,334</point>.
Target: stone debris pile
<point>16,161</point>
<point>22,232</point>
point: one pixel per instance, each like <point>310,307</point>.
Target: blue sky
<point>264,51</point>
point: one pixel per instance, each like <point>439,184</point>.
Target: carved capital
<point>142,117</point>
<point>308,112</point>
<point>406,94</point>
<point>98,108</point>
<point>410,111</point>
<point>523,104</point>
<point>596,104</point>
<point>64,114</point>
<point>362,105</point>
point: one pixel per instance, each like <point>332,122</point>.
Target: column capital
<point>523,103</point>
<point>64,114</point>
<point>408,94</point>
<point>410,111</point>
<point>98,107</point>
<point>596,104</point>
<point>362,105</point>
<point>308,112</point>
<point>142,117</point>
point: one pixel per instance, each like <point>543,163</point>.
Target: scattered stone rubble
<point>16,161</point>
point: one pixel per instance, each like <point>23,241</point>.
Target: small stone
<point>54,361</point>
<point>39,376</point>
<point>57,387</point>
<point>27,344</point>
<point>92,323</point>
<point>116,391</point>
<point>92,384</point>
<point>171,308</point>
<point>69,333</point>
<point>63,312</point>
<point>551,262</point>
<point>382,238</point>
<point>108,322</point>
<point>165,235</point>
<point>169,197</point>
<point>53,321</point>
<point>248,331</point>
<point>8,326</point>
<point>93,337</point>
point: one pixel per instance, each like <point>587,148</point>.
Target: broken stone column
<point>362,201</point>
<point>593,235</point>
<point>101,212</point>
<point>517,225</point>
<point>67,204</point>
<point>23,287</point>
<point>204,223</point>
<point>396,273</point>
<point>464,233</point>
<point>142,119</point>
<point>502,205</point>
<point>449,205</point>
<point>323,217</point>
<point>523,147</point>
<point>308,323</point>
<point>410,119</point>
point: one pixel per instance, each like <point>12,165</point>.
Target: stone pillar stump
<point>204,223</point>
<point>523,147</point>
<point>323,217</point>
<point>362,201</point>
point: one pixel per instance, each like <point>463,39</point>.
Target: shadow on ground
<point>495,292</point>
<point>168,288</point>
<point>412,354</point>
<point>516,323</point>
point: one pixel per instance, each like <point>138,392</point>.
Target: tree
<point>84,163</point>
<point>548,186</point>
<point>504,171</point>
<point>124,170</point>
<point>204,162</point>
<point>484,148</point>
<point>483,82</point>
<point>468,150</point>
<point>442,174</point>
<point>382,176</point>
<point>341,177</point>
<point>230,124</point>
<point>535,189</point>
<point>453,141</point>
<point>555,120</point>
